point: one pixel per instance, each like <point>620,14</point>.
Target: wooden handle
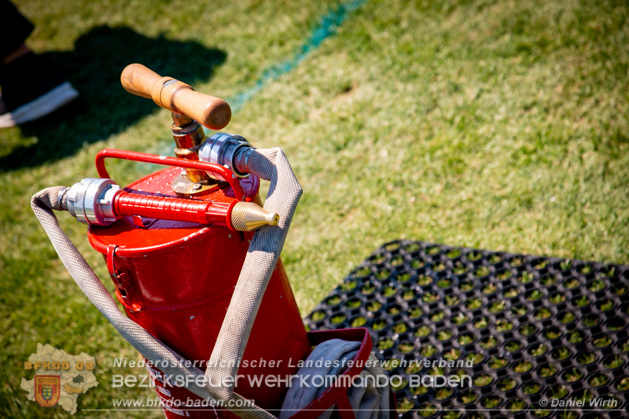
<point>176,96</point>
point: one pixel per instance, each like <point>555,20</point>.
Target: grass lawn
<point>500,125</point>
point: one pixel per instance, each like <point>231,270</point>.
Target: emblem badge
<point>47,389</point>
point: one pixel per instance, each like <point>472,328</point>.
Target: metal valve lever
<point>97,201</point>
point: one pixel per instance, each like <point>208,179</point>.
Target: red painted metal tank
<point>176,280</point>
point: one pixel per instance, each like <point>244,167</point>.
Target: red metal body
<point>176,280</point>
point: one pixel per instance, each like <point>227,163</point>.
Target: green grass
<point>500,125</point>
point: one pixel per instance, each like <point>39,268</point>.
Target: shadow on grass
<point>104,107</point>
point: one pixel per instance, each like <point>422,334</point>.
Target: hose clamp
<point>247,155</point>
<point>62,201</point>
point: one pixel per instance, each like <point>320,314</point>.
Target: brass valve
<point>189,109</point>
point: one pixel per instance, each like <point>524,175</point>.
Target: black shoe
<point>31,89</point>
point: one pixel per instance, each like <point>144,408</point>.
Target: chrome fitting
<point>91,201</point>
<point>221,149</point>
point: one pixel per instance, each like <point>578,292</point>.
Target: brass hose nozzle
<point>248,216</point>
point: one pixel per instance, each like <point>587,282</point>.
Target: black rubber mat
<point>529,331</point>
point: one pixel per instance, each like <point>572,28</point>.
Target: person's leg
<point>14,29</point>
<point>31,87</point>
<point>23,50</point>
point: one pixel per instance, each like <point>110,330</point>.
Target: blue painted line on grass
<point>327,27</point>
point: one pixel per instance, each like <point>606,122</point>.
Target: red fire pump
<point>175,243</point>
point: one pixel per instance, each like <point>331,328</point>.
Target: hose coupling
<point>222,148</point>
<point>91,201</point>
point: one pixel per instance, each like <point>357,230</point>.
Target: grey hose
<point>264,252</point>
<point>43,203</point>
